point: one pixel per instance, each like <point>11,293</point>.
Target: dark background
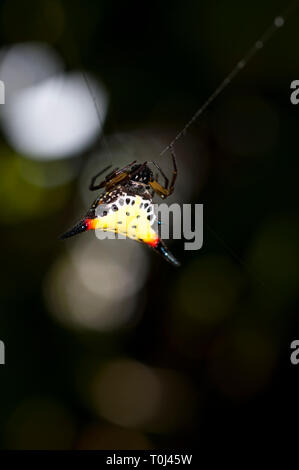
<point>205,356</point>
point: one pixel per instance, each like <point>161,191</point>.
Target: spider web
<point>271,30</point>
<point>277,23</point>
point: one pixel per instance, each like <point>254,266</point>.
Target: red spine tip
<point>154,243</point>
<point>90,224</point>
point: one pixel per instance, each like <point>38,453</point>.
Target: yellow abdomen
<point>131,216</point>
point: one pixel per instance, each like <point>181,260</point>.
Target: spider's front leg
<point>93,186</point>
<point>164,192</point>
<point>175,172</point>
<point>118,175</point>
<point>112,178</point>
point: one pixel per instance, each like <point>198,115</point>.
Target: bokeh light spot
<point>126,393</point>
<point>97,284</point>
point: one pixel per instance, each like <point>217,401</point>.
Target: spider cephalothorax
<point>126,207</point>
<point>141,174</point>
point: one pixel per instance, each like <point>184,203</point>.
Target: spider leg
<point>175,171</point>
<point>109,177</point>
<point>94,187</point>
<point>164,192</point>
<point>157,188</point>
<point>156,179</point>
<point>166,182</point>
<point>125,168</point>
<point>118,176</point>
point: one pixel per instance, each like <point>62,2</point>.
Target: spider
<point>126,205</point>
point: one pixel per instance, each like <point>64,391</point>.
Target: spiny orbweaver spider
<point>129,192</point>
<point>126,206</point>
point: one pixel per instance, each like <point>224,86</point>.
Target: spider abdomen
<point>131,216</point>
